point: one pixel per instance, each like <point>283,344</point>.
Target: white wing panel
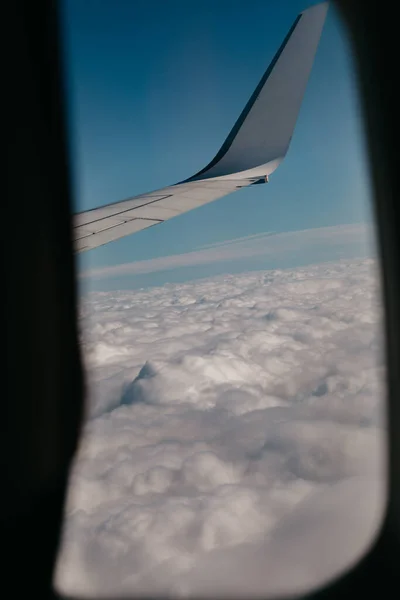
<point>105,224</point>
<point>100,238</point>
<point>152,211</point>
<point>116,208</point>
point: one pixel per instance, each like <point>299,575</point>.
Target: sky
<point>154,87</point>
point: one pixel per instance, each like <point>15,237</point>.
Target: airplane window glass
<point>230,307</point>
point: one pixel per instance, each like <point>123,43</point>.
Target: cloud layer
<point>234,442</point>
<point>343,237</point>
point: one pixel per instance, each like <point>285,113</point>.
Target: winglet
<point>255,147</point>
<point>261,136</point>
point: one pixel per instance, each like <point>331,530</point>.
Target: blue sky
<point>153,89</point>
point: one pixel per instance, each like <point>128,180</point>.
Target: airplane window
<point>230,307</point>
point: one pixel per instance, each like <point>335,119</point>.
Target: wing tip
<point>314,15</point>
<point>320,5</point>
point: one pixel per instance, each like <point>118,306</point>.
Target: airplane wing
<point>254,148</point>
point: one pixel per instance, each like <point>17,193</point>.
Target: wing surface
<point>255,147</point>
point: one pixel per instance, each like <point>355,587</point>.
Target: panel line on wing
<point>89,234</point>
<point>116,214</point>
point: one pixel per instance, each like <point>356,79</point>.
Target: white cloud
<point>268,244</point>
<point>244,238</point>
<point>234,442</point>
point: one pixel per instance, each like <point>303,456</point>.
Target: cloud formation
<point>234,442</point>
<point>267,244</point>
